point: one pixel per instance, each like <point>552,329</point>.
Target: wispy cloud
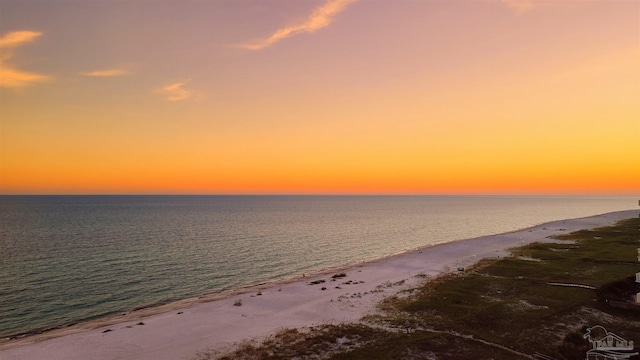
<point>14,78</point>
<point>106,73</point>
<point>519,6</point>
<point>10,75</point>
<point>175,91</point>
<point>321,17</point>
<point>17,38</point>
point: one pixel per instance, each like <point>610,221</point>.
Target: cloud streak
<point>106,73</point>
<point>17,38</point>
<point>10,75</point>
<point>320,18</point>
<point>175,91</point>
<point>519,6</point>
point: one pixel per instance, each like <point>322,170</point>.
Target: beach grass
<point>539,300</point>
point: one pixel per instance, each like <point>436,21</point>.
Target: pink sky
<point>320,96</point>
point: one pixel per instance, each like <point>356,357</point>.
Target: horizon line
<point>326,194</point>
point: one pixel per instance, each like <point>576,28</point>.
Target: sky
<point>320,97</point>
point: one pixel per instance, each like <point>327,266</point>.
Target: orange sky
<point>321,96</point>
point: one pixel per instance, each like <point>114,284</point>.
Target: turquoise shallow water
<point>70,258</point>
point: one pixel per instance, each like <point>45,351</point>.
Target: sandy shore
<point>179,330</point>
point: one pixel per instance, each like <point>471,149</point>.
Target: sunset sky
<point>317,96</point>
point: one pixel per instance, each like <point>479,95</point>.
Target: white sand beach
<point>179,330</point>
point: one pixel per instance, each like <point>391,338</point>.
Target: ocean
<point>65,259</point>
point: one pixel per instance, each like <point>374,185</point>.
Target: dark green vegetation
<point>540,300</point>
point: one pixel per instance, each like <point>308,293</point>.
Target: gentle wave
<point>69,258</point>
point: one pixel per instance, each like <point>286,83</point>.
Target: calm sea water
<point>69,258</point>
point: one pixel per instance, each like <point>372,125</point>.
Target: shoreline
<point>178,330</point>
